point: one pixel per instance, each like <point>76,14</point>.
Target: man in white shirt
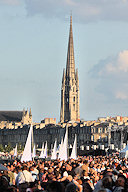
<point>24,176</point>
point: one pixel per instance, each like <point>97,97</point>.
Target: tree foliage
<point>8,148</point>
<point>1,148</point>
<point>20,147</point>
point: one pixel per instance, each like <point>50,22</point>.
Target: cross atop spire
<point>70,67</point>
<point>71,20</point>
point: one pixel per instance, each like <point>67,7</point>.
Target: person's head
<point>86,187</point>
<point>25,167</point>
<point>19,169</point>
<point>15,170</point>
<point>107,173</point>
<point>107,182</point>
<point>5,172</point>
<point>121,181</point>
<point>33,185</point>
<point>57,174</point>
<point>50,170</point>
<point>86,162</point>
<point>85,173</point>
<point>31,168</point>
<point>54,186</point>
<point>102,190</point>
<point>101,175</point>
<point>4,182</point>
<point>69,178</point>
<point>68,167</point>
<point>12,189</point>
<point>92,171</point>
<point>71,187</point>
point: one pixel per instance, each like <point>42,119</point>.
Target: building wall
<point>87,133</point>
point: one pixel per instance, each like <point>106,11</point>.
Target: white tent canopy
<point>74,149</point>
<point>34,151</point>
<point>65,147</point>
<point>15,151</point>
<point>42,152</point>
<point>45,150</point>
<point>63,155</point>
<point>60,149</point>
<point>54,152</point>
<point>27,155</point>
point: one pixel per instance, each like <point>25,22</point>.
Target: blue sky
<point>33,49</point>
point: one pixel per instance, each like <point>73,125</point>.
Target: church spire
<point>70,86</point>
<point>70,67</point>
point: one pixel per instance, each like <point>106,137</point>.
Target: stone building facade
<point>15,119</point>
<point>89,133</point>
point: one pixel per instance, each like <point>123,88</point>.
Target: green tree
<point>20,147</point>
<point>1,148</point>
<point>8,148</point>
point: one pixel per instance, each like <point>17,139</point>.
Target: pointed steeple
<point>70,85</point>
<point>70,67</point>
<point>30,113</point>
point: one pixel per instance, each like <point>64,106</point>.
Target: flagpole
<point>67,142</point>
<point>76,144</point>
<point>32,142</point>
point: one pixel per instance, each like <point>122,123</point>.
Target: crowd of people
<point>86,174</point>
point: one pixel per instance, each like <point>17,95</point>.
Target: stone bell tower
<point>70,86</point>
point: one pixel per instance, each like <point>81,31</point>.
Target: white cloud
<point>112,65</point>
<point>110,77</point>
<point>121,95</point>
<point>10,2</point>
<point>83,10</point>
<point>123,61</point>
<point>70,2</point>
<point>119,63</point>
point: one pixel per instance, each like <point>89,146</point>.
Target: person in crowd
<point>121,184</point>
<point>11,175</point>
<point>107,183</point>
<point>26,175</point>
<point>86,174</point>
<point>34,173</point>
